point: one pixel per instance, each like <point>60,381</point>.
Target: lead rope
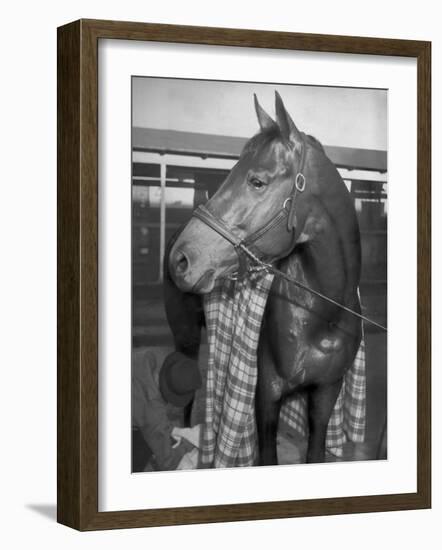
<point>271,269</point>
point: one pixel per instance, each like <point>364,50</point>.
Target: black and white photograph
<point>259,274</point>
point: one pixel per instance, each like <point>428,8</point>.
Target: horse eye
<point>257,183</point>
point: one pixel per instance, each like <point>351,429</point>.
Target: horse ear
<point>265,121</point>
<point>287,126</point>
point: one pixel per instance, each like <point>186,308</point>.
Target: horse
<point>283,204</point>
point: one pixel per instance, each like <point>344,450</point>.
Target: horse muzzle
<point>186,277</point>
<point>200,256</point>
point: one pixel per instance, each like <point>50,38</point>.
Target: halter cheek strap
<point>299,187</point>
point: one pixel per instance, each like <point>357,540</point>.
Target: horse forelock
<point>273,135</point>
<point>263,139</point>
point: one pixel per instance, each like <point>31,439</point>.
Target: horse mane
<point>314,142</point>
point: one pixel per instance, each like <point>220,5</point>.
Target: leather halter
<point>243,246</point>
<point>250,244</point>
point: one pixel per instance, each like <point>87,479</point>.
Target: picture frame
<point>78,277</point>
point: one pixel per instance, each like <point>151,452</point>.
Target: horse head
<point>264,202</point>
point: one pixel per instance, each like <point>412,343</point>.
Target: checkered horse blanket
<point>234,311</point>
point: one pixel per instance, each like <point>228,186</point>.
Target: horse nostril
<point>181,262</point>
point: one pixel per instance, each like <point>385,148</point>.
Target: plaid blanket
<point>347,421</point>
<point>234,311</point>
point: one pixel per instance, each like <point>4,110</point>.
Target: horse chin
<point>205,283</point>
<point>194,284</point>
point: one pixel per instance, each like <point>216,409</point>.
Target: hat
<point>179,378</point>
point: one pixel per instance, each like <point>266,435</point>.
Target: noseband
<point>249,246</point>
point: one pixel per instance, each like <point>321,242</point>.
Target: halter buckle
<point>300,182</point>
<point>288,199</point>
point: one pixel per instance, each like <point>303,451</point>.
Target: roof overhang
<point>229,147</point>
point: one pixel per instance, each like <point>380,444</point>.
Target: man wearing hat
<point>152,388</point>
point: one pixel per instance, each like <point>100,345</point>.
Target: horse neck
<point>330,251</point>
